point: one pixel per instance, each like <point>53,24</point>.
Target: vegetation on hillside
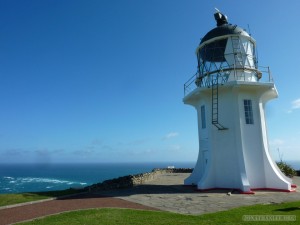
<point>10,199</point>
<point>286,169</point>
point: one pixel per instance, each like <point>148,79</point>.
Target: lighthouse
<point>229,92</point>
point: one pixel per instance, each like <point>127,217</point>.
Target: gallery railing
<point>262,74</point>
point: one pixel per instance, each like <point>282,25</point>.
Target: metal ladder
<point>237,51</point>
<point>215,104</point>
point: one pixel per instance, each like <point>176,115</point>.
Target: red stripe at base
<point>272,189</point>
<point>251,192</point>
<point>229,189</point>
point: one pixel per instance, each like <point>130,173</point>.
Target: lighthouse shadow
<point>149,189</point>
<point>145,189</point>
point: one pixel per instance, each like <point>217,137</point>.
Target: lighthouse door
<point>203,137</point>
<point>205,159</point>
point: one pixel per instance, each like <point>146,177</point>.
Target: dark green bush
<point>286,169</point>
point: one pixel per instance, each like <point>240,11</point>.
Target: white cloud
<point>175,148</point>
<point>296,104</point>
<point>138,142</point>
<point>97,141</point>
<point>170,135</point>
<point>84,152</point>
<point>277,142</point>
<point>15,152</point>
<point>287,149</point>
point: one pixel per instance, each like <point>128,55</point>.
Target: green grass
<point>132,217</point>
<point>10,199</point>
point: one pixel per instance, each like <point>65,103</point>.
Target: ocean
<point>16,178</point>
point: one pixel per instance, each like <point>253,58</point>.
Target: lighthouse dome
<point>223,41</point>
<point>224,29</point>
<point>227,51</point>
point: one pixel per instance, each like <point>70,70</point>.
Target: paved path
<point>168,193</point>
<point>84,201</point>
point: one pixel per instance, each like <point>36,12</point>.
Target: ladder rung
<point>215,97</point>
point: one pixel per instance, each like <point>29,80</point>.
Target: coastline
<point>20,178</point>
<point>132,180</point>
<point>165,191</point>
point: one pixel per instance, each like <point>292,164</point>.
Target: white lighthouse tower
<point>230,92</point>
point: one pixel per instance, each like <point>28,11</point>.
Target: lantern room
<point>226,53</point>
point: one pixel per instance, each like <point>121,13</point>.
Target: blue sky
<point>102,81</point>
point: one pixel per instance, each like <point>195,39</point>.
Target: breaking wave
<point>27,184</point>
<point>43,180</point>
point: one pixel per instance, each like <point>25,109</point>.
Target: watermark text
<point>269,218</point>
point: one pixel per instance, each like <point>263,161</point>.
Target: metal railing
<point>262,74</point>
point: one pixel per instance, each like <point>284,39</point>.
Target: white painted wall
<point>238,158</point>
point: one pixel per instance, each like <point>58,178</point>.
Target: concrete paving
<point>168,193</point>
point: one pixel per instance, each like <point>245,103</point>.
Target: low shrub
<point>286,169</point>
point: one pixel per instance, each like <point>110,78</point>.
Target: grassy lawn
<point>132,217</point>
<point>10,199</point>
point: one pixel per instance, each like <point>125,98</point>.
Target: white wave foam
<point>25,180</point>
<point>22,183</point>
<point>43,180</point>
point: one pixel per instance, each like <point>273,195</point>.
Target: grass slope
<point>10,199</point>
<point>132,217</point>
